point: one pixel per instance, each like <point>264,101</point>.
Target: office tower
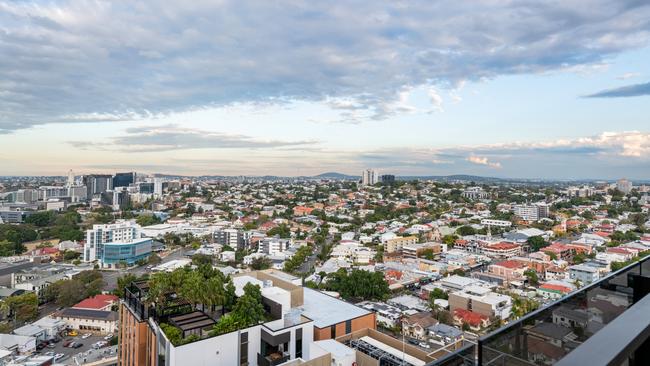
<point>26,196</point>
<point>387,179</point>
<point>70,181</point>
<point>111,244</point>
<point>77,193</point>
<point>97,184</point>
<point>158,187</point>
<point>369,177</point>
<point>123,179</point>
<point>145,187</point>
<point>624,186</point>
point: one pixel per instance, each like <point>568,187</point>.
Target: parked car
<point>67,343</point>
<point>425,345</point>
<point>86,336</point>
<point>77,345</point>
<point>51,345</point>
<point>49,353</point>
<point>73,333</point>
<point>108,337</point>
<point>58,356</point>
<point>100,344</point>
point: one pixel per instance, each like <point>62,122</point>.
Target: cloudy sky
<point>529,89</point>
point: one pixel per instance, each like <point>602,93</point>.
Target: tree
<point>201,259</point>
<point>248,309</point>
<point>41,218</point>
<point>147,220</point>
<point>154,259</point>
<point>358,284</point>
<point>298,259</point>
<point>465,230</point>
<point>428,254</point>
<point>536,243</point>
<point>24,307</point>
<point>261,263</point>
<point>449,240</point>
<point>70,292</point>
<point>531,274</point>
<point>552,255</point>
<point>122,283</point>
<point>283,231</point>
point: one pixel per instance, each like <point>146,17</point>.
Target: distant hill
<point>335,175</point>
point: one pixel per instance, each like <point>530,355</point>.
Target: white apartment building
<point>369,177</point>
<point>113,243</point>
<point>624,185</point>
<point>272,246</point>
<point>532,212</point>
<point>475,193</point>
<point>481,300</point>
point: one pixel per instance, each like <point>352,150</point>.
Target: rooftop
<point>326,310</point>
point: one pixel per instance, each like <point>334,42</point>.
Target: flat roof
<point>326,310</point>
<point>393,351</point>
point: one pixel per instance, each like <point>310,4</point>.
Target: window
<point>298,348</point>
<point>348,326</point>
<point>243,349</point>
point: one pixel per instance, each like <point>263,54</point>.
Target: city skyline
<point>522,91</point>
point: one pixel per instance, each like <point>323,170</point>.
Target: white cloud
<point>435,99</point>
<point>628,75</point>
<point>75,60</point>
<point>482,160</point>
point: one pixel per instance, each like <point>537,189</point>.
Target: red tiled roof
<point>470,317</point>
<point>510,264</point>
<point>503,246</point>
<point>97,302</point>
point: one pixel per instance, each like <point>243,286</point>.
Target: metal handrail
<point>534,314</point>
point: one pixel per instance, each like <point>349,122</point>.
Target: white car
<point>425,345</point>
<point>86,335</point>
<point>108,337</point>
<point>58,356</point>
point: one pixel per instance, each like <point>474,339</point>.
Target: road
<point>110,276</point>
<point>307,267</point>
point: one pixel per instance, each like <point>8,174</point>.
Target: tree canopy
<point>358,284</point>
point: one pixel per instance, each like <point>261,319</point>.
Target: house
<point>416,325</point>
<point>474,320</point>
<point>583,273</point>
<point>96,321</point>
<point>444,334</point>
<point>98,302</point>
<point>387,315</point>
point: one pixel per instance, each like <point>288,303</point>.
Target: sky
<point>513,89</point>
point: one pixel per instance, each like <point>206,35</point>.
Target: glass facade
<point>112,253</point>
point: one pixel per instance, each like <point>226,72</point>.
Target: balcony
<point>604,323</point>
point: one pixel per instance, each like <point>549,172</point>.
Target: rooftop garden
<point>193,304</point>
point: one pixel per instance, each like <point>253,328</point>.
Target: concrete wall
<point>360,323</point>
